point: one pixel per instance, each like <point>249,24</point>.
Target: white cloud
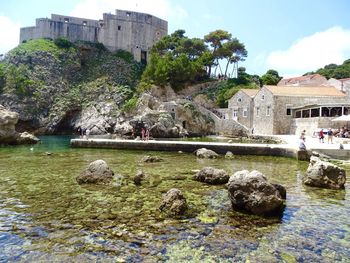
<point>312,52</point>
<point>9,31</point>
<point>94,9</point>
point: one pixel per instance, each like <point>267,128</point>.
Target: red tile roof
<point>301,78</point>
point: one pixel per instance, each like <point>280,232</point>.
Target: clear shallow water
<point>46,216</point>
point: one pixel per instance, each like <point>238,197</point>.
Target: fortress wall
<point>75,20</point>
<point>131,31</point>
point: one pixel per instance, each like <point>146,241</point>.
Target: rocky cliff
<point>55,88</point>
<point>60,88</point>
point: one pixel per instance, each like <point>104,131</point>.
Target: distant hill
<point>334,71</point>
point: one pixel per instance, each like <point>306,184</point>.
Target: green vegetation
<point>63,42</point>
<point>334,71</point>
<point>2,77</point>
<point>130,105</point>
<point>127,56</point>
<point>224,46</point>
<point>222,91</point>
<point>32,47</point>
<point>271,77</point>
<point>58,76</point>
<point>179,61</point>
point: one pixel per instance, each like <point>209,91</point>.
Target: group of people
<point>321,136</point>
<point>329,134</point>
<point>84,133</point>
<point>144,134</point>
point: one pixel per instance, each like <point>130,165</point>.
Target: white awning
<point>342,118</point>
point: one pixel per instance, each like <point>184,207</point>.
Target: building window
<point>234,114</point>
<point>289,111</point>
<point>268,110</point>
<point>245,112</point>
<point>119,27</point>
<point>128,14</point>
<point>257,112</point>
<point>263,97</point>
<point>239,99</point>
<point>66,20</point>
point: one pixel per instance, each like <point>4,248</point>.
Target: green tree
<point>216,39</point>
<point>177,59</point>
<point>271,77</point>
<point>233,51</point>
<point>224,46</point>
<point>2,77</point>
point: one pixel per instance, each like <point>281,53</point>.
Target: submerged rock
<point>151,159</point>
<point>206,153</point>
<point>324,174</point>
<point>173,203</point>
<point>27,138</point>
<point>139,177</point>
<point>212,175</point>
<point>229,155</point>
<point>250,191</point>
<point>97,172</point>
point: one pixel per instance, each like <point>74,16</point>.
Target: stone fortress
<point>127,30</point>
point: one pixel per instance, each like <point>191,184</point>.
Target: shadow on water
<point>46,216</point>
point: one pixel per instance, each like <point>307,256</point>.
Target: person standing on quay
<point>302,135</point>
<point>143,134</point>
<point>147,134</point>
<point>321,136</point>
<point>330,135</point>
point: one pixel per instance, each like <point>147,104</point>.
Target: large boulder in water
<point>97,172</point>
<point>212,175</point>
<point>173,203</point>
<point>8,134</point>
<point>324,174</point>
<point>206,153</point>
<point>252,192</point>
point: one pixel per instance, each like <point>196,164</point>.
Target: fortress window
<point>119,27</point>
<point>66,20</point>
<point>84,23</point>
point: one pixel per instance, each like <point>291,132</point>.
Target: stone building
<point>307,80</point>
<point>131,31</point>
<point>277,108</point>
<point>288,109</point>
<point>241,107</point>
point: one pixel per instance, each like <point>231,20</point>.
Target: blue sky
<point>290,36</point>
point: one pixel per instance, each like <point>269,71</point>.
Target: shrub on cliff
<point>63,42</point>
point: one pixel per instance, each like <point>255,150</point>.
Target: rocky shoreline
<point>8,134</point>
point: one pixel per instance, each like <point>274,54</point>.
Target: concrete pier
<point>282,150</point>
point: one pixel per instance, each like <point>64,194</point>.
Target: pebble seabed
<point>46,216</point>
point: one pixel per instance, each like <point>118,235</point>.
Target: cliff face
<point>60,88</point>
<point>55,86</point>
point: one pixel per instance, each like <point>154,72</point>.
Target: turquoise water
<point>46,216</point>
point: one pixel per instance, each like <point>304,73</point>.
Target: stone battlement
<point>127,30</point>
